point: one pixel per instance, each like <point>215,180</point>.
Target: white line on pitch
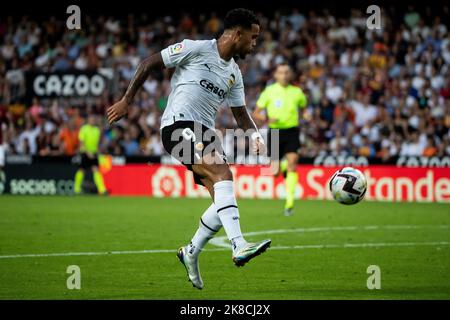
<point>299,247</point>
<point>222,241</point>
<point>348,228</point>
<point>223,245</point>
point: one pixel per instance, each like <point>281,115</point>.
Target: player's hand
<point>117,111</point>
<point>258,145</point>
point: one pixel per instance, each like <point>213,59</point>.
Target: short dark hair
<point>283,64</point>
<point>240,18</point>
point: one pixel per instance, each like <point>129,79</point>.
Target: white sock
<point>228,212</point>
<point>208,226</point>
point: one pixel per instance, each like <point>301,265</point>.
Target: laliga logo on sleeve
<point>176,48</point>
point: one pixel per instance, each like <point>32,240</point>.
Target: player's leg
<point>209,222</point>
<point>79,175</point>
<point>291,179</point>
<point>290,145</point>
<point>209,172</point>
<point>209,225</point>
<point>98,180</point>
<point>216,170</point>
<point>78,181</point>
<point>278,159</point>
<point>283,166</point>
<point>96,174</point>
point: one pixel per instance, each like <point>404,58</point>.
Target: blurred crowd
<point>375,93</point>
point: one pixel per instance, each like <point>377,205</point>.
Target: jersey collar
<point>221,61</point>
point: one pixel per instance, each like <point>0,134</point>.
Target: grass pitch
<point>125,248</point>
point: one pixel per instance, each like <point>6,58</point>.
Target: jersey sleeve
<point>180,53</point>
<point>302,100</point>
<point>236,96</point>
<point>263,100</point>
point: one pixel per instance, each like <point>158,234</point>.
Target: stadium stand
<point>374,93</point>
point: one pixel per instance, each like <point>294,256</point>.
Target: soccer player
<point>278,105</point>
<point>206,75</point>
<point>89,137</point>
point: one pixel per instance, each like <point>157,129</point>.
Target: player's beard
<point>244,54</point>
<point>240,56</point>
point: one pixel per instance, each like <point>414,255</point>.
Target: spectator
<point>383,93</point>
<point>27,140</point>
<point>69,138</point>
<point>15,80</point>
<point>430,150</point>
<point>412,147</point>
<point>130,145</point>
<point>364,112</point>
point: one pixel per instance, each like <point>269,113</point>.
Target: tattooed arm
<point>119,109</point>
<point>243,119</point>
<point>245,122</point>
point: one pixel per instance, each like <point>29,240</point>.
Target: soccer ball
<point>348,185</point>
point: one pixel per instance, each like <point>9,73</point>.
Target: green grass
<point>33,225</point>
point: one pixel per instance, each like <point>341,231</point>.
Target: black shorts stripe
<point>201,220</point>
<point>230,206</point>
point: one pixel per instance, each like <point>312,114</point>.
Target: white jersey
<point>201,83</point>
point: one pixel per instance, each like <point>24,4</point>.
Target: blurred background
<point>376,95</point>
